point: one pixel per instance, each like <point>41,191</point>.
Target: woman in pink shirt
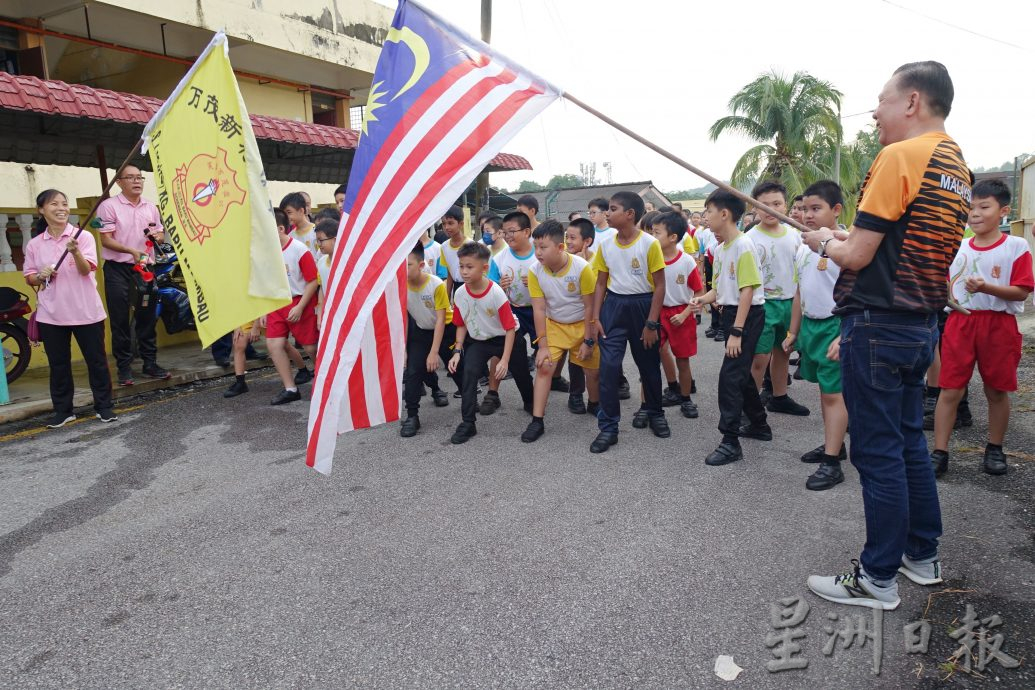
<point>68,305</point>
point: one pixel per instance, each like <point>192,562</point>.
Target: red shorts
<point>682,339</point>
<point>989,338</point>
<point>304,330</point>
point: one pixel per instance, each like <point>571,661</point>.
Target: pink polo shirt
<point>71,299</point>
<point>126,223</point>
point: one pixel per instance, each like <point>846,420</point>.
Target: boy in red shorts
<point>991,277</point>
<point>298,318</point>
<point>682,283</point>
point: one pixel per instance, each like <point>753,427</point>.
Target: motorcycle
<point>14,332</point>
<point>169,288</point>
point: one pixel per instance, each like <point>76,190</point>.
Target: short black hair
<point>726,201</point>
<point>766,186</point>
<point>418,251</point>
<point>995,189</point>
<point>600,202</point>
<point>495,221</point>
<point>549,228</point>
<point>674,222</point>
<point>932,80</point>
<point>674,204</point>
<point>328,227</point>
<point>342,189</point>
<point>665,209</point>
<point>520,218</point>
<point>327,213</point>
<point>529,201</point>
<point>630,201</point>
<point>571,216</point>
<point>482,216</point>
<point>476,249</point>
<point>827,190</point>
<point>454,212</point>
<point>585,228</point>
<point>293,200</point>
<point>280,218</point>
<point>647,221</point>
<point>797,198</point>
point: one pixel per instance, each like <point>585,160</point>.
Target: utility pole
<point>481,184</point>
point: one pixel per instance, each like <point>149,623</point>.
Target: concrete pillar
<point>6,260</point>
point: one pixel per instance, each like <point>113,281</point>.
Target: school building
<point>559,203</point>
<point>79,79</point>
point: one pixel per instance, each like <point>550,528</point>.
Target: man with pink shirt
<point>124,219</point>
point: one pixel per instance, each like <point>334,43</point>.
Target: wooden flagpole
<point>104,195</point>
<point>684,164</point>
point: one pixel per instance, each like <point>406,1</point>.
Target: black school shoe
<point>709,332</point>
<point>816,454</point>
<point>826,476</point>
<point>535,429</point>
<point>671,397</point>
<point>659,425</point>
<point>303,376</point>
<point>410,426</point>
<point>107,416</point>
<point>59,420</point>
<point>154,371</point>
<point>490,403</point>
<point>761,432</point>
<point>440,398</point>
<point>285,396</point>
<point>994,461</point>
<point>688,409</point>
<point>603,442</point>
<point>236,388</point>
<point>940,462</point>
<point>786,405</point>
<point>560,384</point>
<point>623,390</point>
<point>719,336</point>
<point>640,418</point>
<point>463,433</point>
<point>575,404</point>
<point>724,455</point>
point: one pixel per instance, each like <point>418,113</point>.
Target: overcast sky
<point>667,69</point>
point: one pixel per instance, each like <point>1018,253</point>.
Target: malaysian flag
<point>441,106</point>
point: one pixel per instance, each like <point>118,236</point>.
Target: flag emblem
<point>203,191</point>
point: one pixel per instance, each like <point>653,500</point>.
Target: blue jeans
<point>884,356</point>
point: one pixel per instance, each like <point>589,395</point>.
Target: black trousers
<point>477,354</point>
<point>119,294</point>
<point>57,343</point>
<point>623,318</point>
<point>737,391</point>
<point>418,346</point>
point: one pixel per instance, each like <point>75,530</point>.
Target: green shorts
<point>777,323</point>
<point>813,340</point>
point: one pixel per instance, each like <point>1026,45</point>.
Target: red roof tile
<point>76,100</point>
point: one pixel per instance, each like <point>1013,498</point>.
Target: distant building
<point>559,203</point>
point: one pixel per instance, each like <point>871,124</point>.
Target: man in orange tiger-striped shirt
<point>894,263</point>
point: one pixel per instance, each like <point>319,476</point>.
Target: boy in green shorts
<point>816,333</point>
<point>777,246</point>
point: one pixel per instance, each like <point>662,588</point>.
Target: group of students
<point>627,278</point>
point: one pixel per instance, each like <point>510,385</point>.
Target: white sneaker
<point>855,589</point>
<point>921,573</point>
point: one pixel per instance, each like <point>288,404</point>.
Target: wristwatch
<point>737,331</point>
<point>823,247</point>
<point>654,325</point>
<point>589,342</point>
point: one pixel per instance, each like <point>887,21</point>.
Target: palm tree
<point>792,120</point>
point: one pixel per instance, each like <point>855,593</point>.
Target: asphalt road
<point>189,546</point>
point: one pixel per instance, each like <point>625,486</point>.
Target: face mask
<point>487,238</point>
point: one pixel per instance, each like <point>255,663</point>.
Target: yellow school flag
<point>213,199</point>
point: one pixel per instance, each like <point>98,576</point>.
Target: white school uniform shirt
<point>776,255</point>
<point>563,291</point>
<point>682,280</point>
<point>309,240</point>
<point>1005,263</point>
<point>816,278</point>
<point>323,266</point>
<point>300,265</point>
<point>735,266</point>
<point>450,261</point>
<point>630,268</point>
<point>516,267</point>
<point>602,235</point>
<point>485,315</point>
<point>706,240</point>
<point>424,302</point>
<point>432,251</point>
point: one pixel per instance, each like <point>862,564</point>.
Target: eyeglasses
<point>132,178</point>
<point>325,239</point>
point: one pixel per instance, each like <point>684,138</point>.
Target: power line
<point>954,26</point>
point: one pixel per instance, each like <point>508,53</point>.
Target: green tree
<point>565,181</point>
<point>792,120</point>
<point>529,186</point>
